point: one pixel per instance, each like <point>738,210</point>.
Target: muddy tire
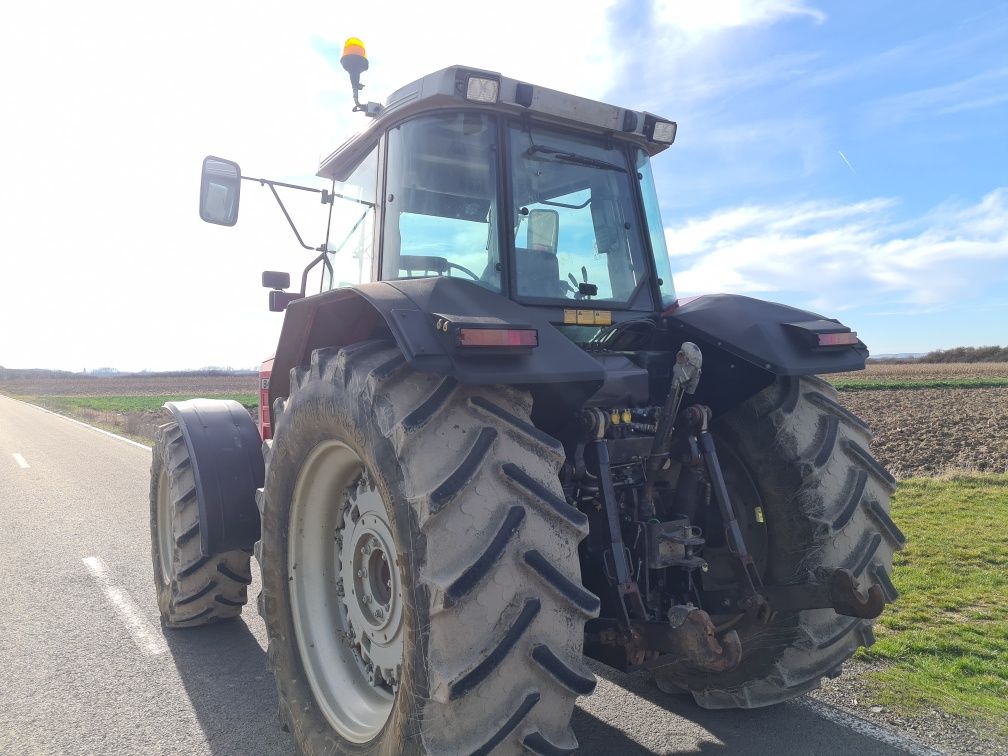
<point>826,505</point>
<point>191,589</point>
<point>485,557</point>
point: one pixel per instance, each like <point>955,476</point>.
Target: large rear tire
<point>826,505</point>
<point>191,589</point>
<point>458,494</point>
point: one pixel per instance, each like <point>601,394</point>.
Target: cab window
<point>441,199</point>
<point>351,232</point>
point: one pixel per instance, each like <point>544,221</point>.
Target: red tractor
<point>487,449</point>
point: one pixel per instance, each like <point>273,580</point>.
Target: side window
<point>441,199</point>
<point>351,232</point>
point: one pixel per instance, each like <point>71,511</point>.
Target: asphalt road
<point>86,668</point>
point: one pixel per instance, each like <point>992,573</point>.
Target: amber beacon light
<point>354,62</point>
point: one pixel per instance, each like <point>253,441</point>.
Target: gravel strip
<point>943,732</point>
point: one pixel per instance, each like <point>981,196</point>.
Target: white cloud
<point>982,90</point>
<point>848,254</point>
<point>715,15</point>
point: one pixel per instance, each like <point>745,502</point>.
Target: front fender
<point>225,452</point>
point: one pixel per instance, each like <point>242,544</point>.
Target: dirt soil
<point>932,431</point>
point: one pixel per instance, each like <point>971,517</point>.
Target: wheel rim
<point>346,594</point>
<point>166,531</point>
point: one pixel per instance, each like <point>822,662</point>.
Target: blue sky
<point>905,234</point>
<point>109,109</point>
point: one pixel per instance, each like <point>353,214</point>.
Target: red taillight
<point>838,339</point>
<point>498,337</point>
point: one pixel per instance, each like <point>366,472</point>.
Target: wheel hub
<point>345,592</point>
<point>369,582</point>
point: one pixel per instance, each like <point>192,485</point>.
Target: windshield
<point>576,231</point>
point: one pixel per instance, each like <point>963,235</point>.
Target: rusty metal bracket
<point>692,644</point>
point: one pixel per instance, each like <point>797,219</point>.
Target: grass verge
<point>894,384</point>
<point>944,642</point>
<point>130,403</point>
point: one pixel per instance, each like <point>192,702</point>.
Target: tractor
<point>492,443</point>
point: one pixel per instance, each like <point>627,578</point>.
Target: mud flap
<point>225,451</point>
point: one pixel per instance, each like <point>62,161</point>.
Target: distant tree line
<point>9,373</point>
<point>967,354</point>
<point>29,373</point>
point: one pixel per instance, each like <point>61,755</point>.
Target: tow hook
<point>852,602</point>
<point>838,592</point>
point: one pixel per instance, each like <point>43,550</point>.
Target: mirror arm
<point>304,274</point>
<point>327,195</point>
<point>287,216</point>
<point>263,182</point>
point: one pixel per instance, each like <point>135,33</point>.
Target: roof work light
<point>659,131</point>
<point>482,89</point>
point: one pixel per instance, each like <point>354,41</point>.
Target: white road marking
<point>21,461</point>
<point>147,638</point>
<point>862,727</point>
<point>99,430</point>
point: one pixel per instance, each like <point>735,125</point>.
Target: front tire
<point>483,556</point>
<point>192,590</point>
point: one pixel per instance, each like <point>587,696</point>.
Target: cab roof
<point>448,88</point>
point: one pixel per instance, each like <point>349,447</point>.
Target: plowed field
<point>933,431</point>
<point>924,430</point>
<point>130,386</point>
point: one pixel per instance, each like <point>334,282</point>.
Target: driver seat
<point>538,273</point>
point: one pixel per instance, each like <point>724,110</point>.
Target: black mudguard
<point>226,455</point>
<point>771,336</point>
<point>409,311</point>
<point>747,342</point>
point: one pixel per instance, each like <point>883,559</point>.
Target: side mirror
<point>543,229</point>
<point>220,190</point>
<point>275,279</point>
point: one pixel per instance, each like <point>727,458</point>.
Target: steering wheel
<point>464,269</point>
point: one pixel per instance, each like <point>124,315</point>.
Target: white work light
<point>664,131</point>
<point>480,89</point>
<point>658,130</point>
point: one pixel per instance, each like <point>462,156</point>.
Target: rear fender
<point>226,455</point>
<point>408,311</point>
<point>748,342</point>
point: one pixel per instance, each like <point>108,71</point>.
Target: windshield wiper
<point>573,157</point>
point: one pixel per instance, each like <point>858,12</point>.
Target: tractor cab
<point>491,180</point>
